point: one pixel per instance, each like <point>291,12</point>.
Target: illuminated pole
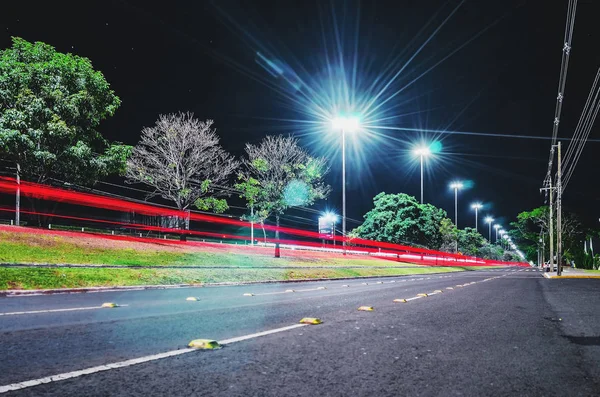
<point>489,220</point>
<point>422,152</point>
<point>345,124</point>
<point>421,178</point>
<point>456,186</point>
<point>476,206</point>
<point>496,227</point>
<point>344,190</point>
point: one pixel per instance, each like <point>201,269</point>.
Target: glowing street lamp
<point>488,219</point>
<point>456,186</point>
<point>476,207</point>
<point>422,152</point>
<point>496,227</point>
<point>329,218</point>
<point>344,124</point>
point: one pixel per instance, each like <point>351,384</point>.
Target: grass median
<point>49,278</point>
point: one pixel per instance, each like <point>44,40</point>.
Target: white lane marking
<point>55,310</point>
<point>263,333</point>
<point>290,291</point>
<point>413,298</point>
<point>135,361</point>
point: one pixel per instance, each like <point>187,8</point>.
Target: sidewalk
<point>568,272</point>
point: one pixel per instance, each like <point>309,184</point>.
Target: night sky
<point>201,56</point>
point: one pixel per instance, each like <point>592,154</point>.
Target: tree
<point>181,159</point>
<point>401,219</point>
<point>279,174</point>
<point>449,233</point>
<point>470,241</point>
<point>50,106</point>
<point>532,225</point>
<point>491,251</point>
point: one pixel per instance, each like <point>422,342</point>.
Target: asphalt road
<point>494,333</point>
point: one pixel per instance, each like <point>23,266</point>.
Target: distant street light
<point>456,186</point>
<point>344,124</point>
<point>496,227</point>
<point>422,152</point>
<point>329,219</point>
<point>488,219</point>
<point>476,207</point>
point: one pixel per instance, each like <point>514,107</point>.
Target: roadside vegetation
<point>48,278</point>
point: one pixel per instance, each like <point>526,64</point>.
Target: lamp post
<point>422,152</point>
<point>328,219</point>
<point>456,186</point>
<point>344,124</point>
<point>496,227</point>
<point>488,219</point>
<point>476,207</point>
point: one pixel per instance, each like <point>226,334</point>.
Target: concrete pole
<point>421,178</point>
<point>456,215</point>
<point>18,197</point>
<point>559,216</point>
<point>551,232</point>
<point>251,225</point>
<point>344,190</point>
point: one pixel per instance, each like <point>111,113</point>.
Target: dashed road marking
<point>72,309</point>
<point>135,361</point>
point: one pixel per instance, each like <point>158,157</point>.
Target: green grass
<point>591,271</point>
<point>28,249</point>
<point>46,278</point>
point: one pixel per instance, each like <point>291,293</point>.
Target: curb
<point>56,291</point>
<point>572,277</point>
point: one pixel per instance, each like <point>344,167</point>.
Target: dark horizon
<point>195,56</point>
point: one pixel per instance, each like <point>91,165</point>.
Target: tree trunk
<point>277,250</point>
<point>184,224</point>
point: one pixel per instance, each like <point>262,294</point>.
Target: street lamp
<point>456,186</point>
<point>329,219</point>
<point>496,227</point>
<point>488,219</point>
<point>344,124</point>
<point>476,207</point>
<point>422,152</point>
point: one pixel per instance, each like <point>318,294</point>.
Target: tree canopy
<point>529,224</point>
<point>279,174</point>
<point>50,106</point>
<point>181,159</point>
<point>401,219</point>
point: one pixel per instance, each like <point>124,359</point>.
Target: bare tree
<point>286,176</point>
<point>180,157</point>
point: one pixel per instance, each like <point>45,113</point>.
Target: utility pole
<point>18,197</point>
<point>551,225</point>
<point>252,225</point>
<point>559,216</point>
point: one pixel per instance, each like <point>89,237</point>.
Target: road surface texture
<point>506,332</point>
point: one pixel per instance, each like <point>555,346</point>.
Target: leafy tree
<point>50,106</point>
<point>470,241</point>
<point>530,225</point>
<point>180,157</point>
<point>401,219</point>
<point>279,174</point>
<point>491,251</point>
<point>449,233</point>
